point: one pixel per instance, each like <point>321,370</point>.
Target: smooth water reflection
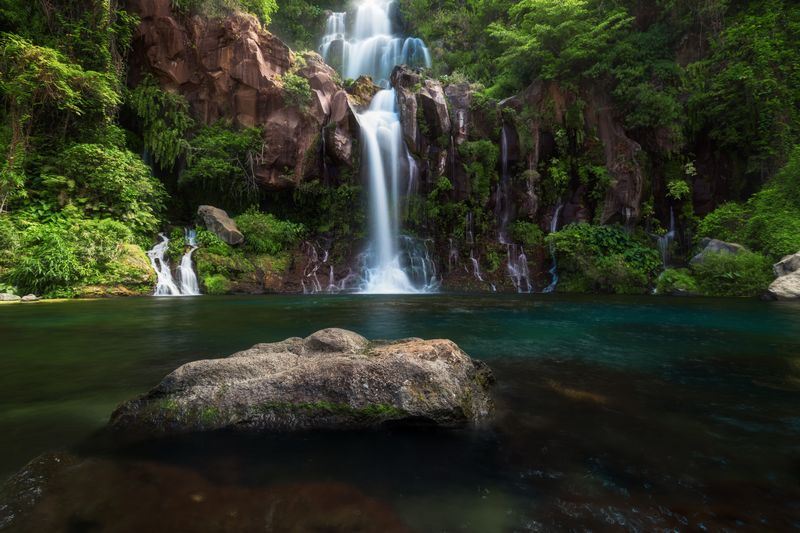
<point>613,413</point>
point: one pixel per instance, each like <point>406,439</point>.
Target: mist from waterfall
<point>367,46</point>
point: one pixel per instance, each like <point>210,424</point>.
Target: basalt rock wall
<point>231,68</point>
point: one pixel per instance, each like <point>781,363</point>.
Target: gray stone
<point>333,379</point>
<point>218,221</point>
<point>30,298</point>
<point>8,297</point>
<point>716,246</point>
<point>787,265</point>
<point>786,287</point>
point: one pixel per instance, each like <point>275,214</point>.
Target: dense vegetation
<point>92,169</point>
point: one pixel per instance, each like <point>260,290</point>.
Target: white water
<point>368,46</point>
<point>518,269</point>
<point>554,269</point>
<point>165,284</point>
<point>665,240</point>
<point>502,199</point>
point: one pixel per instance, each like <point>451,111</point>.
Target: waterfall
<point>370,47</point>
<point>665,240</point>
<point>518,269</point>
<point>165,284</point>
<point>502,199</point>
<point>553,269</point>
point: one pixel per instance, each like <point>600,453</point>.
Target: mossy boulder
<point>333,379</point>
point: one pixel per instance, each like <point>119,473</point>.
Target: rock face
<point>333,379</point>
<point>716,246</point>
<point>218,221</point>
<point>787,285</point>
<point>232,68</point>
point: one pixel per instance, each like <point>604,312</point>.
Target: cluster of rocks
<point>9,297</point>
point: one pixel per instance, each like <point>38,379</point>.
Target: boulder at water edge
<point>8,297</point>
<point>787,285</point>
<point>218,222</point>
<point>333,379</point>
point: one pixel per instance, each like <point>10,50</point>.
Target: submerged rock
<point>333,379</point>
<point>218,221</point>
<point>787,285</point>
<point>62,492</point>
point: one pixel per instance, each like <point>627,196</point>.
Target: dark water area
<point>613,413</point>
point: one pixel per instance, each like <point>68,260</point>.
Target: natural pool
<point>613,413</point>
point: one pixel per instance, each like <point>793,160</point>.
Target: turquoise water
<point>629,413</point>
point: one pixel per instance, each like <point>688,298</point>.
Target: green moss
<point>331,408</point>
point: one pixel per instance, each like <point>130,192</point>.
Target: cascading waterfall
<point>165,284</point>
<point>554,269</point>
<point>367,46</point>
<point>370,48</point>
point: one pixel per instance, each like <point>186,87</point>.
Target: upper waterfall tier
<point>370,47</point>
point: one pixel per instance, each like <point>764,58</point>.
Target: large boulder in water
<point>218,221</point>
<point>333,379</point>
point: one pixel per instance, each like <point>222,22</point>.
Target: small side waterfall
<point>554,269</point>
<point>666,240</point>
<point>165,284</point>
<point>517,264</point>
<point>502,199</point>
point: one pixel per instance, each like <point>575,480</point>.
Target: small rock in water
<point>333,379</point>
<point>8,297</point>
<point>30,298</point>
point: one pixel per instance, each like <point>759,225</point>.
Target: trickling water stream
<point>554,269</point>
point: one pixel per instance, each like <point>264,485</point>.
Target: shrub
<point>527,233</point>
<point>726,274</point>
<point>770,220</point>
<point>265,234</point>
<point>216,284</point>
<point>675,281</point>
<point>604,259</point>
<point>296,90</point>
<point>210,243</point>
<point>50,261</point>
<point>107,181</point>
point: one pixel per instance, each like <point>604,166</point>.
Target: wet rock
<point>60,492</point>
<point>716,246</point>
<point>420,99</point>
<point>8,297</point>
<point>787,285</point>
<point>333,379</point>
<point>218,222</point>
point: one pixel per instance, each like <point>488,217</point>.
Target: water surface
<point>613,412</point>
